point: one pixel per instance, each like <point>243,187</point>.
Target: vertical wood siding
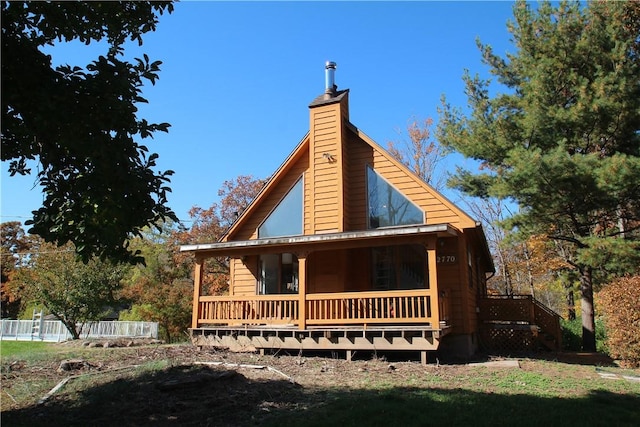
<point>245,276</point>
<point>326,152</point>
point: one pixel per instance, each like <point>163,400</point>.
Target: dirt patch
<point>142,384</point>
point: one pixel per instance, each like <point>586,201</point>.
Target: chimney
<point>330,79</point>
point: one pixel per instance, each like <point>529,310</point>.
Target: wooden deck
<point>418,306</point>
<point>346,338</point>
<point>407,320</point>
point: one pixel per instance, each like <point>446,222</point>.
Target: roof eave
<point>322,241</point>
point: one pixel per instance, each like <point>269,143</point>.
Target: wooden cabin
<point>345,249</point>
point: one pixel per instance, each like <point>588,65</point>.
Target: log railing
<point>343,308</point>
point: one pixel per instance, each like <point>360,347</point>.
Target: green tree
<point>80,123</point>
<point>210,225</point>
<point>563,139</point>
<point>14,249</point>
<point>161,291</point>
<point>73,291</point>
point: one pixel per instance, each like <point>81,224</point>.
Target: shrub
<point>572,335</point>
<point>619,303</point>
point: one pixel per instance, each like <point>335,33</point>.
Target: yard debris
<point>67,379</point>
<point>53,390</point>
<point>196,379</point>
<point>73,365</point>
<point>120,342</point>
<point>238,365</point>
<point>512,363</point>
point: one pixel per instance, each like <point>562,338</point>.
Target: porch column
<point>197,288</point>
<point>302,290</point>
<point>433,279</point>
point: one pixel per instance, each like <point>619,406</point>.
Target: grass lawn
<point>24,349</point>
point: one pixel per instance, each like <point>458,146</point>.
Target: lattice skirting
<point>508,340</point>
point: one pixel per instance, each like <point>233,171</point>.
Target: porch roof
<point>380,236</point>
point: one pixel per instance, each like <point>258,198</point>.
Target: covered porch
<point>340,319</point>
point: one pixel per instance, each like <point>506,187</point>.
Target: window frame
<point>275,208</point>
<point>295,275</point>
<point>394,188</point>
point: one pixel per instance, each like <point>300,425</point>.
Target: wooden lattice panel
<point>508,340</point>
<point>506,309</point>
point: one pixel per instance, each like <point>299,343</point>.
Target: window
<point>278,274</point>
<point>398,267</point>
<point>387,206</point>
<point>286,218</point>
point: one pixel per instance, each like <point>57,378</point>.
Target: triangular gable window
<point>286,218</point>
<point>387,206</point>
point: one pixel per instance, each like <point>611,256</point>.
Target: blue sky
<point>237,79</point>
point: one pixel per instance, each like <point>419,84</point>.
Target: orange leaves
<point>619,301</point>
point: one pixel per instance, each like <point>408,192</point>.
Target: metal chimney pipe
<point>330,77</point>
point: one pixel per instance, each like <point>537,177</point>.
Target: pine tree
<point>563,138</point>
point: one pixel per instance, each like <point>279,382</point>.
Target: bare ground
<point>212,387</point>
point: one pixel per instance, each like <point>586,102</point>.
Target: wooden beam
<point>197,289</point>
<point>302,290</point>
<point>433,280</point>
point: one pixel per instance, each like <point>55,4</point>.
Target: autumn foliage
<point>620,305</point>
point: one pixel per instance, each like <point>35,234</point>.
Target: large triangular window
<point>286,218</point>
<point>387,206</point>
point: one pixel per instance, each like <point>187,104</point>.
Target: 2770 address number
<point>446,259</point>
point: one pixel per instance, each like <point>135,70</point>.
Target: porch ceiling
<point>329,241</point>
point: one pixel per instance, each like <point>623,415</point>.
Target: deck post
<point>433,280</point>
<point>197,288</point>
<point>302,290</point>
<point>423,357</point>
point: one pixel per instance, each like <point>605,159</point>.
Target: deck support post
<point>423,357</point>
<point>302,290</point>
<point>349,355</point>
<point>197,288</point>
<point>433,280</point>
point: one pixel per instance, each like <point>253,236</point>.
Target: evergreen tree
<point>563,138</point>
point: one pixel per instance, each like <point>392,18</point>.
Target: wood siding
<point>245,276</point>
<point>362,154</point>
<point>453,279</point>
<point>326,171</point>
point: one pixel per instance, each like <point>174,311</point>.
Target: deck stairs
<point>518,323</point>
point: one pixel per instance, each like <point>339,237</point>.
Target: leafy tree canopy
<point>79,123</point>
<point>14,245</point>
<point>73,291</point>
<point>563,139</point>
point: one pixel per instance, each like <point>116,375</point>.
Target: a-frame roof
<point>302,149</point>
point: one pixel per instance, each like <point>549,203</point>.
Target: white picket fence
<point>55,331</point>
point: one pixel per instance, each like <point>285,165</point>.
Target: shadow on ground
<point>203,396</point>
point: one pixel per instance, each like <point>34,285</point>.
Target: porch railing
<point>381,307</point>
<point>254,309</point>
<point>524,310</point>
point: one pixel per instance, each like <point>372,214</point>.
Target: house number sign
<point>446,259</point>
